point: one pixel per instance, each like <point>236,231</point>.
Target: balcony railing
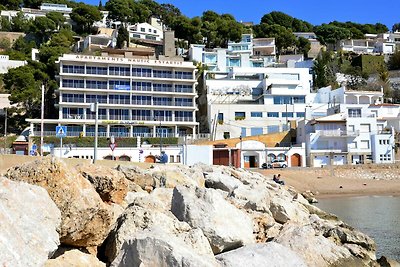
<point>338,133</point>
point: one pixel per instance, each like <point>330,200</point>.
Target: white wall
<point>198,154</point>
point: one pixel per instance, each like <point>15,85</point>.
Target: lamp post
<point>159,132</point>
<point>42,123</point>
<point>94,107</point>
<point>240,138</point>
<point>5,130</point>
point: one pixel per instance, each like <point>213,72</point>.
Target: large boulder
<point>285,209</point>
<point>252,197</point>
<point>314,248</point>
<point>29,220</point>
<point>225,226</point>
<point>159,248</point>
<point>159,199</point>
<point>74,258</point>
<point>85,219</point>
<point>137,219</point>
<point>221,181</point>
<point>175,175</point>
<point>110,184</point>
<point>265,254</point>
<point>137,176</point>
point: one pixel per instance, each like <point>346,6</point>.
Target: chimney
<point>169,44</point>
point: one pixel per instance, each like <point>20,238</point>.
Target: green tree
<point>304,46</point>
<point>5,24</point>
<point>330,34</point>
<point>128,11</point>
<point>5,43</point>
<point>101,5</point>
<point>43,28</point>
<point>63,38</point>
<point>123,36</point>
<point>20,23</point>
<point>289,22</point>
<point>324,70</point>
<point>284,38</point>
<point>23,46</point>
<point>396,27</point>
<point>57,17</point>
<point>84,16</point>
<point>11,4</point>
<point>32,3</point>
<point>394,61</point>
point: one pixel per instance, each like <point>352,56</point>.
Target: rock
<point>206,209</point>
<point>159,199</point>
<point>266,254</point>
<point>74,258</point>
<point>255,198</point>
<point>221,181</point>
<point>158,248</point>
<point>136,219</point>
<point>264,226</point>
<point>385,262</point>
<point>110,184</point>
<point>85,219</point>
<point>284,210</point>
<point>137,176</point>
<point>309,196</point>
<point>366,247</point>
<point>175,175</point>
<point>29,221</point>
<point>315,249</point>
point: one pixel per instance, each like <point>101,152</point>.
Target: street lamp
<point>94,107</point>
<point>5,130</point>
<point>240,138</point>
<point>159,131</point>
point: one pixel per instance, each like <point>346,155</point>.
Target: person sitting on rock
<point>278,180</point>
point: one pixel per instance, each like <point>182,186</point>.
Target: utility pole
<point>94,107</point>
<point>42,123</point>
<point>5,130</point>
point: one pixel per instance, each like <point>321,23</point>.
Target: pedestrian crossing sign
<point>61,131</point>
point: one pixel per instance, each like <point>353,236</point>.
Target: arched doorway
<point>124,158</point>
<point>295,160</point>
<point>150,159</point>
<point>109,157</point>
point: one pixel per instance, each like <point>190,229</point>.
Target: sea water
<point>376,216</point>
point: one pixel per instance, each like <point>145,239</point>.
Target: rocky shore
<point>169,215</point>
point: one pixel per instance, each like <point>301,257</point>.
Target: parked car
<point>275,164</point>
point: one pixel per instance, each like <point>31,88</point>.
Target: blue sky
<point>313,11</point>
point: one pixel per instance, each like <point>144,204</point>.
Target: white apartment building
<point>355,131</point>
<point>136,96</point>
<point>249,52</point>
<point>45,8</point>
<point>145,31</point>
<point>254,101</point>
<point>6,63</point>
<point>385,43</point>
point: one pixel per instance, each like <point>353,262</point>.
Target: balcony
<point>338,133</point>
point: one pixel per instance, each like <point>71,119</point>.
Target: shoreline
<point>327,186</point>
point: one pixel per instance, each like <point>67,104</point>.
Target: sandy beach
<point>348,181</point>
<point>325,185</point>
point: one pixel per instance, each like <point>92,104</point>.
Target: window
<point>94,98</point>
<point>364,144</point>
<point>273,129</point>
<point>162,87</point>
<point>300,114</point>
<point>119,71</point>
<point>142,29</point>
<point>187,102</point>
<point>74,98</point>
<point>96,70</point>
<point>162,101</point>
<point>141,100</point>
<point>183,75</point>
<point>73,69</point>
<point>256,131</point>
<point>178,158</point>
<point>171,158</point>
<point>141,86</point>
<point>240,115</point>
<point>96,84</point>
<point>73,83</point>
<point>287,114</point>
<point>243,132</point>
<point>220,118</point>
<point>273,114</point>
<point>120,85</point>
<point>162,73</point>
<point>256,114</point>
<point>183,116</point>
<point>354,113</point>
<point>140,114</point>
<point>183,88</point>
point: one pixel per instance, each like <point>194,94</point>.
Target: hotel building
<point>136,96</point>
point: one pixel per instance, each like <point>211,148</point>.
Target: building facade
<point>255,101</point>
<point>136,97</point>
